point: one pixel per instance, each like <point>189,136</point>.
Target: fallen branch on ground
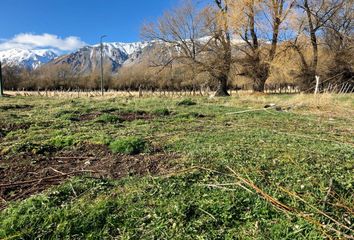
<point>44,179</point>
<point>289,210</point>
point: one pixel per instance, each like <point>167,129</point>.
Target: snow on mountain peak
<point>117,53</point>
<point>127,48</point>
<point>30,59</point>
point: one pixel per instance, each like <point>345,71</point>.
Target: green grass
<point>108,118</point>
<point>128,145</point>
<point>296,150</point>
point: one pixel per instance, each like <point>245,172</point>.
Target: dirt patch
<point>17,107</point>
<point>24,175</point>
<point>129,117</point>
<point>89,116</point>
<point>5,128</point>
<point>123,116</point>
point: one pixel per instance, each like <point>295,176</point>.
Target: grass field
<point>177,168</point>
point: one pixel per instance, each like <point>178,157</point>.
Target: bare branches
<point>195,38</point>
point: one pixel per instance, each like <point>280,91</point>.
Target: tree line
<point>227,43</point>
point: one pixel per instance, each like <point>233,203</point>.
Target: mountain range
<point>82,61</point>
<point>29,59</point>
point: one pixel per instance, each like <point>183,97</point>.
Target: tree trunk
<point>313,40</point>
<point>227,58</point>
<point>222,87</point>
<point>259,85</point>
<point>307,80</point>
<point>260,75</point>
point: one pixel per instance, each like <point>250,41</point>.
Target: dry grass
<point>327,105</point>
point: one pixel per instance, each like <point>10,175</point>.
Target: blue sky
<point>68,24</point>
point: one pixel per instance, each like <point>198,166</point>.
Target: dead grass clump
<point>323,104</point>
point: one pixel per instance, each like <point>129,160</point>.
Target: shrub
<point>108,118</point>
<point>186,102</point>
<point>128,145</point>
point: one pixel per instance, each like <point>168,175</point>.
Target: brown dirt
<point>129,117</point>
<point>24,175</point>
<point>124,117</point>
<point>89,116</point>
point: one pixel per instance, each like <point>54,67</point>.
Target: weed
<point>128,145</point>
<point>62,141</point>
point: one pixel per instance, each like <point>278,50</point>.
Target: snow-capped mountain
<point>83,61</point>
<point>88,59</point>
<point>30,59</point>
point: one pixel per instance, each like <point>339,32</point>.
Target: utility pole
<point>1,83</point>
<point>102,91</point>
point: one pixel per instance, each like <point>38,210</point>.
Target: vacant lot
<point>172,168</point>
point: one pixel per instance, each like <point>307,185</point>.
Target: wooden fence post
<point>317,84</point>
<point>1,83</point>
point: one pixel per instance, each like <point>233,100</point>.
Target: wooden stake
<point>317,84</point>
<point>1,83</point>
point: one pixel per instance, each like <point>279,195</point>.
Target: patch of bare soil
<point>24,175</point>
<point>123,116</point>
<point>129,117</point>
<point>89,116</point>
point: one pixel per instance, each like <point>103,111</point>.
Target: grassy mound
<point>128,145</point>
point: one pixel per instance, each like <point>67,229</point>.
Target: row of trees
<point>254,36</point>
<point>226,43</point>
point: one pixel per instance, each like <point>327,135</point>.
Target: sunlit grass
<point>300,149</point>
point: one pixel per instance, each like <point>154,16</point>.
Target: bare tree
<point>252,21</point>
<point>338,39</point>
<point>317,14</point>
<point>224,37</point>
<point>195,38</point>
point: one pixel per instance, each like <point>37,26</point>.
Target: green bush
<point>108,118</point>
<point>186,102</point>
<point>128,145</point>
